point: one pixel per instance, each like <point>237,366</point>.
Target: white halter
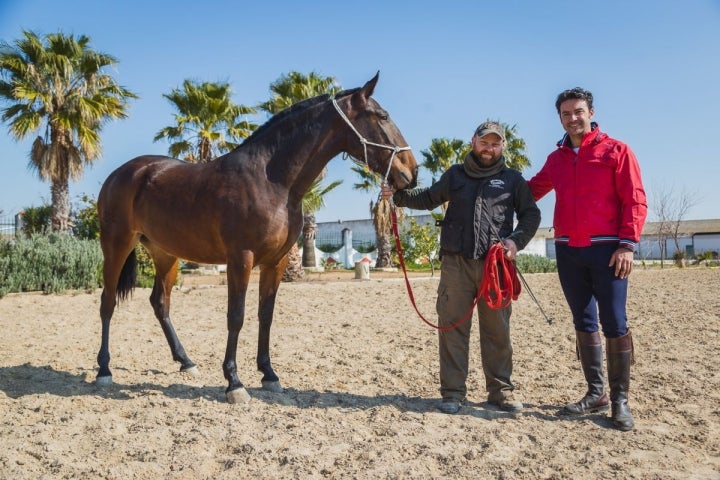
<point>365,142</point>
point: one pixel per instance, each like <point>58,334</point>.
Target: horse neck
<point>300,158</point>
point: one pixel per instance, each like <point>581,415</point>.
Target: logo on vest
<point>497,183</point>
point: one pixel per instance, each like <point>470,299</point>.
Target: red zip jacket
<point>599,192</point>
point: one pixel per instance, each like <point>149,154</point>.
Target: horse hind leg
<point>166,268</point>
<point>118,281</point>
<point>107,307</point>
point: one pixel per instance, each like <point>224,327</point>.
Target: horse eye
<point>383,116</point>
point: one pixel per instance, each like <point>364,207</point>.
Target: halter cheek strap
<point>365,142</point>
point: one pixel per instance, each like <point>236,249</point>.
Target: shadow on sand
<point>26,379</point>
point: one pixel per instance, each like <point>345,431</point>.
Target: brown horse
<point>242,209</point>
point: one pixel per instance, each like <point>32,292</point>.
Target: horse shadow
<point>25,380</point>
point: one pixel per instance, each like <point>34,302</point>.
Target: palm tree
<point>58,85</point>
<point>312,201</point>
<point>208,123</point>
<point>441,155</point>
<point>286,91</point>
<point>294,87</point>
<point>515,146</point>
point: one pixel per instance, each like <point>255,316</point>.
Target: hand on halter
<point>510,249</point>
<point>386,191</point>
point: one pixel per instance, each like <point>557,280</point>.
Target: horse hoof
<point>192,371</point>
<point>103,381</point>
<point>273,386</point>
<point>239,395</point>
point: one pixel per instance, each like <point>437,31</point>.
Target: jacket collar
<point>594,135</point>
<point>473,168</point>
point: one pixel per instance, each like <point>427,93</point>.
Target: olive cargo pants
<point>459,283</point>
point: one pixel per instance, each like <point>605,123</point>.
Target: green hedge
<point>50,263</point>
<point>531,263</point>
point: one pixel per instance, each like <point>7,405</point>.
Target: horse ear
<point>369,87</point>
<point>361,96</point>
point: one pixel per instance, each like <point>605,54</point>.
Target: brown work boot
<point>508,403</point>
<point>619,357</point>
<point>450,406</point>
<point>589,351</point>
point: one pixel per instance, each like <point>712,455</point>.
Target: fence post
<point>19,224</point>
<point>347,245</point>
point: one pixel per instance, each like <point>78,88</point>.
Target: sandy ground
<point>360,373</point>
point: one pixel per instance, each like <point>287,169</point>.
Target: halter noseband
<point>365,142</point>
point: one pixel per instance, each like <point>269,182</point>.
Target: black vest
<point>480,212</point>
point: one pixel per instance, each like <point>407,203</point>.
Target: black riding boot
<point>589,350</point>
<point>619,357</point>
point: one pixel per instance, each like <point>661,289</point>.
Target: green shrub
<point>531,263</point>
<point>50,263</point>
<point>36,220</point>
<point>421,244</point>
<point>708,258</point>
<point>679,259</point>
<point>145,268</point>
<point>87,223</point>
<point>364,247</point>
<point>331,264</point>
<point>329,247</point>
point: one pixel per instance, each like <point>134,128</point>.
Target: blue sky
<point>445,67</point>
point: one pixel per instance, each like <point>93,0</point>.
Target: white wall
<point>648,249</point>
<point>709,242</point>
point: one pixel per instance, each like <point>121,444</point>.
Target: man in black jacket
<point>483,195</point>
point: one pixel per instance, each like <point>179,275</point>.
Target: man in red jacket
<point>600,210</point>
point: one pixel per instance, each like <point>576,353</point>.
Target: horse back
<point>124,185</point>
<point>199,212</point>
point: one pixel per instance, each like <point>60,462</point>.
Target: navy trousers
<point>591,288</point>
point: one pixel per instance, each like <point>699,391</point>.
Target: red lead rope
<point>499,285</point>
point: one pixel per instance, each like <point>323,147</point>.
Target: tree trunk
<point>382,221</point>
<point>308,236</point>
<point>384,251</point>
<point>60,195</point>
<point>294,270</point>
<point>663,246</point>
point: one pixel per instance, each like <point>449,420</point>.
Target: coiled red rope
<point>498,287</point>
<point>500,284</point>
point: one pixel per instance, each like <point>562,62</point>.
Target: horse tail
<point>128,277</point>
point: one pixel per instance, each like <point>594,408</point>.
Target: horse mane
<point>292,110</point>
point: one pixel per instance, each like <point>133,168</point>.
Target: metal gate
<point>8,226</point>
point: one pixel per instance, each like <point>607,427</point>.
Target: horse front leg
<point>238,273</point>
<point>269,282</point>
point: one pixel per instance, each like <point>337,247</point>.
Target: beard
<point>487,158</point>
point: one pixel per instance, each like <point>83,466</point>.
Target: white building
<point>695,237</point>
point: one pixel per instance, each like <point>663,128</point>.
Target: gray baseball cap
<point>487,128</point>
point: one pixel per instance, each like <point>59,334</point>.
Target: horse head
<point>375,139</point>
